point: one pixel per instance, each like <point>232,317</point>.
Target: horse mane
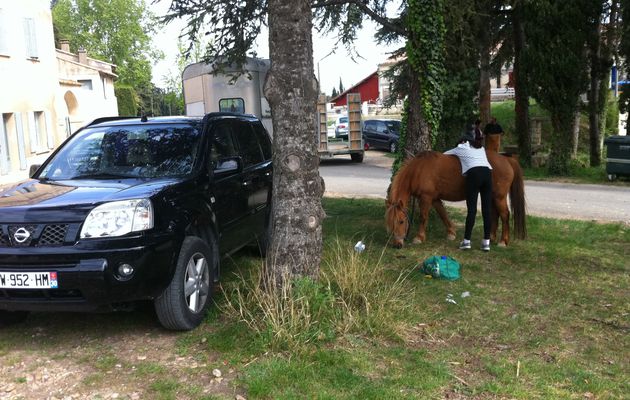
<point>402,180</point>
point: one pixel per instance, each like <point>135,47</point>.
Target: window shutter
<point>20,135</point>
<point>30,38</point>
<point>49,131</point>
<point>33,134</point>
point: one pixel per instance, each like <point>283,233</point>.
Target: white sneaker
<point>464,245</point>
<point>485,245</point>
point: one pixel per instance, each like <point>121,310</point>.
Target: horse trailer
<point>206,91</point>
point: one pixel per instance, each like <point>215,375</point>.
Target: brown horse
<point>432,177</point>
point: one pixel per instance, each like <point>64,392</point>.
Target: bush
<point>127,100</point>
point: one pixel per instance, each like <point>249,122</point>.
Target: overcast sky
<point>331,68</point>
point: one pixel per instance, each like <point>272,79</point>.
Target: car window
<point>235,105</point>
<point>394,126</point>
<point>222,145</point>
<point>368,125</point>
<point>381,127</point>
<point>343,120</point>
<point>263,139</point>
<point>131,151</point>
<point>248,147</point>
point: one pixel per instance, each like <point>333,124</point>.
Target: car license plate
<point>28,280</point>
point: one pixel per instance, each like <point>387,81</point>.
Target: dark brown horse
<point>432,177</point>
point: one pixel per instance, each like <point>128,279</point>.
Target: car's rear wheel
<point>357,157</point>
<point>183,304</point>
<point>12,317</point>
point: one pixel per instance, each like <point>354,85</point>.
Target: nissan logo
<point>21,235</point>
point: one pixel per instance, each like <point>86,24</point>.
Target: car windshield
<point>132,151</point>
<point>393,126</point>
<point>343,120</point>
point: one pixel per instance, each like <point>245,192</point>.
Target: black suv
<point>131,209</point>
<point>381,134</point>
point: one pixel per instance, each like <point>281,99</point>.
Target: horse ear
<point>400,204</point>
<point>388,203</point>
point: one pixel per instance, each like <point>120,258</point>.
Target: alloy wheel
<point>196,282</point>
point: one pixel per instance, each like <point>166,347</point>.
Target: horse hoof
<point>397,245</point>
<point>450,237</point>
<point>502,244</point>
<point>417,241</point>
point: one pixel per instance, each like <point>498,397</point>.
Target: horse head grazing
<point>397,222</point>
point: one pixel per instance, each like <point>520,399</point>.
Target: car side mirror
<point>33,169</point>
<point>228,165</point>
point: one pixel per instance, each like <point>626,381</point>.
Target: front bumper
<point>86,273</point>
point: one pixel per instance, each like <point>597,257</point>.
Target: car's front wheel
<point>183,304</point>
<point>392,147</point>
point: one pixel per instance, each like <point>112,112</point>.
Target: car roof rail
<point>107,119</point>
<point>229,114</point>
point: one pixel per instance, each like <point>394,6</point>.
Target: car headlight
<point>118,218</point>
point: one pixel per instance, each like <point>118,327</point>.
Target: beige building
<point>86,88</point>
<point>45,93</point>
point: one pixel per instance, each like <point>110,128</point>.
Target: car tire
<point>393,147</point>
<point>183,304</point>
<point>357,157</point>
<point>612,177</point>
<point>12,317</point>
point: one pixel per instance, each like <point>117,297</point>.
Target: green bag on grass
<point>443,267</point>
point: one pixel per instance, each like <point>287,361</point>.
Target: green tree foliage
<point>624,54</point>
<point>334,92</point>
<point>127,100</point>
<point>557,33</point>
<point>116,31</point>
<point>461,67</point>
<point>341,88</point>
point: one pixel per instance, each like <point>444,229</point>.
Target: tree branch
<point>386,22</point>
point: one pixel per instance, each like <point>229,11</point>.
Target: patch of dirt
<point>112,356</point>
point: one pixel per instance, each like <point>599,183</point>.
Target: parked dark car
<point>381,134</point>
<point>132,209</point>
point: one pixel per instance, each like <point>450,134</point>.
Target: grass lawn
<point>547,318</point>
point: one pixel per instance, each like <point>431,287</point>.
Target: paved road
<point>559,200</point>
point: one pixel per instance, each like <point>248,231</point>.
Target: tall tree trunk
<point>560,143</point>
<point>575,136</point>
<point>521,95</point>
<point>291,89</point>
<point>484,81</point>
<point>418,132</point>
<point>594,97</point>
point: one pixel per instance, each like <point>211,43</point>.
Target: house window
<point>232,105</point>
<point>4,34</point>
<point>85,84</point>
<point>37,125</point>
<point>30,38</point>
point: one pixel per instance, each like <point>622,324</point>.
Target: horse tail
<point>517,200</point>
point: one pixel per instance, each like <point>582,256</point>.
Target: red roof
<point>367,87</point>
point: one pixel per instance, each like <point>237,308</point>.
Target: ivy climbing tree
<point>425,54</point>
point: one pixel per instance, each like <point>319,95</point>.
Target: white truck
<point>206,92</point>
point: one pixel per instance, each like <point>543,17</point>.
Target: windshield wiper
<point>103,175</point>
